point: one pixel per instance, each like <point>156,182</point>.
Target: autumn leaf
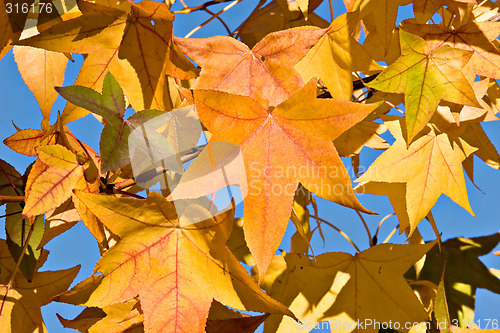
<point>429,167</point>
<point>384,14</point>
<point>475,37</point>
<point>41,71</point>
<point>230,66</point>
<point>124,41</point>
<point>343,288</point>
<point>20,231</point>
<point>426,77</point>
<point>54,184</point>
<point>8,177</point>
<point>21,307</point>
<point>188,265</point>
<point>111,106</point>
<point>464,272</point>
<point>275,17</point>
<point>25,141</point>
<point>117,318</point>
<point>276,144</point>
<point>335,56</point>
<point>425,9</point>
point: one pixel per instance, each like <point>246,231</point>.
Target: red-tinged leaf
<point>55,183</point>
<point>124,41</point>
<point>25,141</point>
<point>176,270</point>
<point>264,73</point>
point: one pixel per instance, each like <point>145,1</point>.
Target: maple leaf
<point>346,289</point>
<point>124,41</point>
<point>335,56</point>
<point>17,230</point>
<point>41,70</point>
<point>425,9</point>
<point>426,77</point>
<point>429,167</point>
<point>275,17</point>
<point>176,270</point>
<point>475,37</point>
<point>21,306</point>
<point>59,172</point>
<point>282,146</point>
<point>111,106</point>
<point>230,66</point>
<point>10,176</point>
<point>117,318</point>
<point>384,14</point>
<point>464,271</point>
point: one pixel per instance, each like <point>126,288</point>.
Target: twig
<point>331,10</point>
<point>213,17</point>
<point>9,198</point>
<point>220,20</point>
<point>391,234</point>
<point>187,10</point>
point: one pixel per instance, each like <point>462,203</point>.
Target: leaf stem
<point>339,231</point>
<point>370,239</point>
<point>378,227</point>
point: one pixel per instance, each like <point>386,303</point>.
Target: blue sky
<point>77,246</point>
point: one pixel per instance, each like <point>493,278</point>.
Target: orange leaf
<point>264,73</point>
<point>282,146</point>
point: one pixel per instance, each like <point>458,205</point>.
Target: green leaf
<point>17,230</point>
<point>426,78</point>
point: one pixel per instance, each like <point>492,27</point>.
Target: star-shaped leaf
<point>347,289</point>
<point>426,77</point>
<point>175,270</point>
<point>335,56</point>
<point>264,73</point>
<point>464,272</point>
<point>476,37</point>
<point>429,167</point>
<point>124,41</point>
<point>282,146</point>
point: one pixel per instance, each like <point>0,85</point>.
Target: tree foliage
<point>290,93</point>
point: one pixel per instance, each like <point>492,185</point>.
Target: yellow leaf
<point>335,56</point>
<point>176,271</point>
<point>429,167</point>
<point>41,71</point>
<point>55,184</point>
